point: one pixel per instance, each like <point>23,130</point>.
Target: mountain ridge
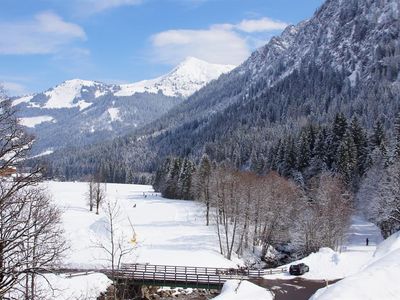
<point>95,111</point>
<point>184,80</point>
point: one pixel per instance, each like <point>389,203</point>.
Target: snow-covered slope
<point>74,93</point>
<point>378,280</point>
<point>69,94</point>
<point>187,78</point>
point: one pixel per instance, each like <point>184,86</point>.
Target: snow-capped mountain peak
<point>184,80</point>
<point>91,108</point>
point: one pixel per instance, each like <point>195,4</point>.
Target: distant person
<point>367,242</point>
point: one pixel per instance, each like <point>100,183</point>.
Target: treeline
<point>342,156</point>
<point>343,147</point>
<point>253,212</point>
<point>368,162</point>
<point>378,197</point>
<point>174,178</point>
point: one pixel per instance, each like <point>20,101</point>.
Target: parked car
<point>299,269</point>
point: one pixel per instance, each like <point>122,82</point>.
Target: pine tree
<point>171,189</point>
<point>346,161</point>
<point>339,128</point>
<point>319,159</point>
<point>304,153</point>
<point>397,136</point>
<point>161,175</point>
<point>202,184</point>
<point>185,180</point>
<point>289,162</point>
<point>360,140</point>
<point>378,146</point>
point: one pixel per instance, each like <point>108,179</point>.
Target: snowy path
<point>359,231</point>
<point>354,255</point>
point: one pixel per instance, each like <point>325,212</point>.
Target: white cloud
<point>261,25</point>
<point>13,88</point>
<point>95,6</point>
<point>212,45</point>
<point>45,34</point>
<point>220,43</point>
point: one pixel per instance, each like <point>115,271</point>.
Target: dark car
<point>299,269</point>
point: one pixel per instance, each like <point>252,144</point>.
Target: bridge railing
<point>183,276</point>
<point>202,270</point>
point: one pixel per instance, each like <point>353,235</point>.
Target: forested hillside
<point>345,59</point>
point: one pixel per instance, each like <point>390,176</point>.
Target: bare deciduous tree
<point>99,195</point>
<point>90,195</point>
<point>31,239</point>
<point>117,244</point>
<point>324,215</point>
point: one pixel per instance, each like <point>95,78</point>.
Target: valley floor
<point>172,232</point>
<point>166,232</point>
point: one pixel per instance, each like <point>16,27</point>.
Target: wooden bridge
<point>176,276</point>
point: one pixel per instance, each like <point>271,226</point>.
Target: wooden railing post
<point>165,274</point>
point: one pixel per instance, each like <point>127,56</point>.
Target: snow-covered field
<point>170,232</point>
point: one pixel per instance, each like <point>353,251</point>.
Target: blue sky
<point>44,42</point>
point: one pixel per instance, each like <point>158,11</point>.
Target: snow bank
<point>390,244</point>
<point>378,280</point>
<point>327,264</point>
<point>241,290</point>
<point>80,287</point>
<point>63,287</point>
